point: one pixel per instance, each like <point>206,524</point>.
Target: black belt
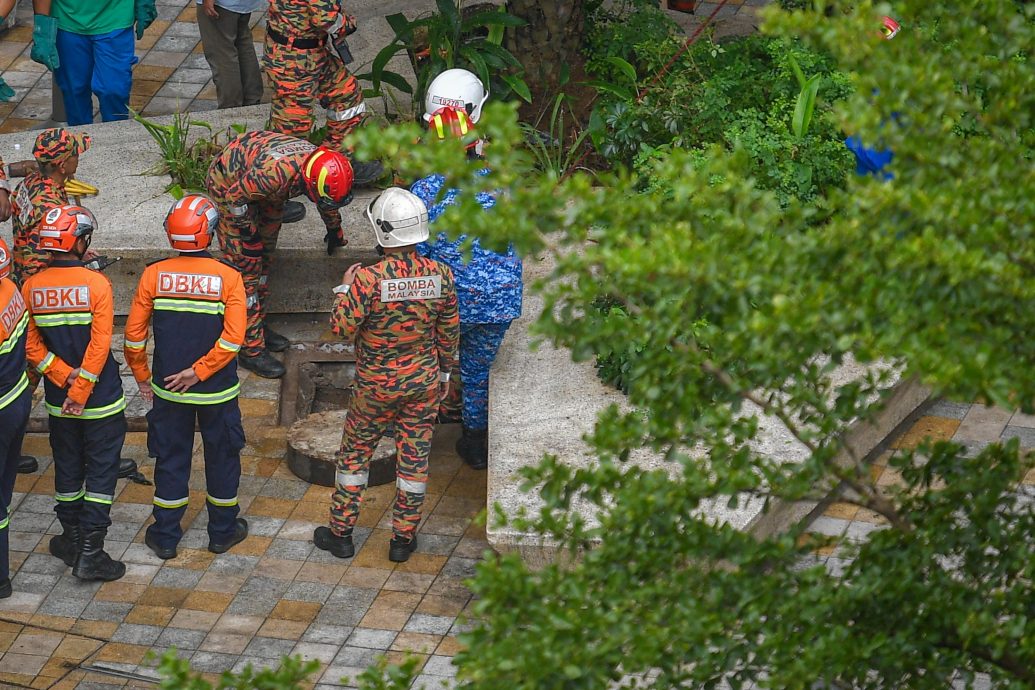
<point>303,43</point>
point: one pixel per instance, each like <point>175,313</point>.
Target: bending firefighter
<point>196,306</point>
<point>401,313</point>
<point>488,285</point>
<point>249,182</point>
<point>15,401</point>
<point>70,344</point>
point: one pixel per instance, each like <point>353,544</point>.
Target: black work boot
<point>163,552</point>
<point>340,547</point>
<point>239,535</point>
<point>264,364</point>
<point>399,549</point>
<point>127,467</point>
<point>294,211</point>
<point>473,447</point>
<point>93,562</point>
<point>66,545</point>
<point>27,464</point>
<point>365,173</point>
<point>275,342</point>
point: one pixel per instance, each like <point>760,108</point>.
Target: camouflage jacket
<point>32,198</point>
<point>258,166</point>
<point>402,313</point>
<point>305,18</point>
<point>488,284</point>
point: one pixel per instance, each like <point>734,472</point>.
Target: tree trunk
<point>550,39</point>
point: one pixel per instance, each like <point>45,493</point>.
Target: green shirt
<point>92,17</point>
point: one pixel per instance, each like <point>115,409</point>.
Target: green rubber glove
<point>145,13</point>
<point>6,92</point>
<point>44,41</point>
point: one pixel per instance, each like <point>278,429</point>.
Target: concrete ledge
<point>132,205</point>
<point>541,402</point>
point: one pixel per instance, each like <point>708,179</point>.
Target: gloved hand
<point>145,13</point>
<point>6,92</point>
<point>334,239</point>
<point>44,41</point>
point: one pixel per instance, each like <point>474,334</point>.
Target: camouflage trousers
<point>369,416</point>
<point>27,263</point>
<point>479,343</point>
<point>248,241</point>
<point>300,78</point>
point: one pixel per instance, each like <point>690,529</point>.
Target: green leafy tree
<point>744,305</point>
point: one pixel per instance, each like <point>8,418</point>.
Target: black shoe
<point>264,364</point>
<point>473,447</point>
<point>240,534</point>
<point>294,211</point>
<point>93,562</point>
<point>326,540</point>
<point>165,553</point>
<point>66,546</point>
<point>275,342</point>
<point>5,588</point>
<point>365,173</point>
<point>27,464</point>
<point>127,468</point>
<point>399,550</point>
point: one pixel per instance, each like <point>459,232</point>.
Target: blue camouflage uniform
<point>488,287</point>
<point>869,161</point>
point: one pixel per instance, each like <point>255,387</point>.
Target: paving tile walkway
<point>274,594</point>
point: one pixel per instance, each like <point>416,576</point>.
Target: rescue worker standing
<point>197,307</point>
<point>488,285</point>
<point>249,182</point>
<point>69,342</point>
<point>401,312</point>
<point>305,58</point>
<point>57,153</point>
<point>15,401</point>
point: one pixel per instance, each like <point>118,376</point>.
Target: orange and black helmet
<point>328,177</point>
<point>5,259</point>
<point>63,225</point>
<point>191,223</point>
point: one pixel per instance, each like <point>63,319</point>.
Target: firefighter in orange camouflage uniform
<point>250,181</point>
<point>306,57</point>
<point>402,314</point>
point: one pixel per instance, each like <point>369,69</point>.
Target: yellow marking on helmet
<point>321,184</point>
<point>462,118</point>
<point>312,161</point>
<point>438,127</point>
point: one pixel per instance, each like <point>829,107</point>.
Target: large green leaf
<point>518,85</point>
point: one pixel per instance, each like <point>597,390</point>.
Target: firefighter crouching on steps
<point>197,307</point>
<point>249,182</point>
<point>15,400</point>
<point>402,313</point>
<point>69,343</point>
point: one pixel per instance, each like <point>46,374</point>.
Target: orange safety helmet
<point>191,223</point>
<point>63,225</point>
<point>890,28</point>
<point>455,123</point>
<point>5,259</point>
<point>328,177</point>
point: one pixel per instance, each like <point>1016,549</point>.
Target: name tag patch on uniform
<point>12,313</point>
<point>403,289</point>
<point>292,149</point>
<point>75,298</point>
<point>190,284</point>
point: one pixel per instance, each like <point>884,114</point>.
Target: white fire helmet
<point>456,88</point>
<point>399,218</point>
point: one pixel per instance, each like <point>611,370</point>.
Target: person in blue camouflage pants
<point>488,287</point>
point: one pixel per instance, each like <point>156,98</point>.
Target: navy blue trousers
<point>13,419</point>
<point>170,438</point>
<point>86,466</point>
